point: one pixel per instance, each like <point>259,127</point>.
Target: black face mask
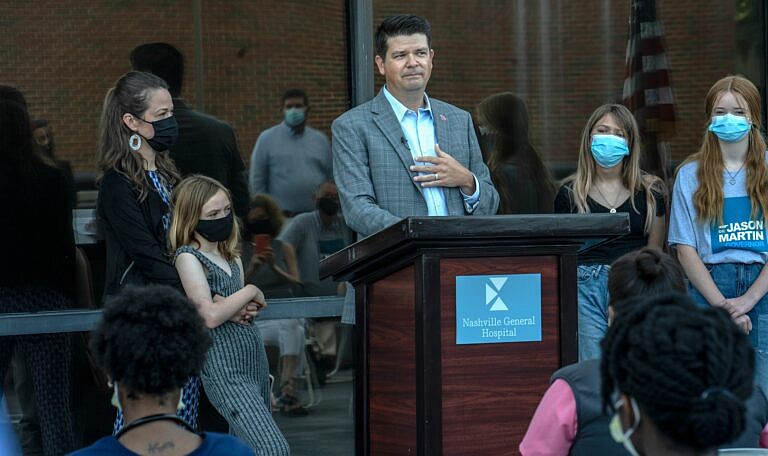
<point>166,133</point>
<point>487,143</point>
<point>259,227</point>
<point>46,150</point>
<point>216,230</point>
<point>328,206</point>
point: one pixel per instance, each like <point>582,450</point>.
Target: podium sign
<point>460,323</point>
<point>498,308</point>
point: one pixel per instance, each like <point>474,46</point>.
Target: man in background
<point>291,158</point>
<point>315,235</point>
<point>206,145</point>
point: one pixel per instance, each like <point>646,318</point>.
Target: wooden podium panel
<point>391,367</point>
<point>490,391</point>
<point>416,390</point>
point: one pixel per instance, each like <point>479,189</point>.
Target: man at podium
<point>405,154</point>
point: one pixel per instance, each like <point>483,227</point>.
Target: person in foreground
<point>149,342</point>
<point>676,378</point>
<point>570,418</point>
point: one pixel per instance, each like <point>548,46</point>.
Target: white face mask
<point>116,400</point>
<point>617,430</point>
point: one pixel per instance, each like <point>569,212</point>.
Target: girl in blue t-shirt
<point>718,213</point>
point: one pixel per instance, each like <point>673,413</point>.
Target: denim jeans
<point>593,308</point>
<point>733,280</point>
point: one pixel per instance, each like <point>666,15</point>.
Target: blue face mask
<point>729,128</point>
<point>609,150</point>
<point>294,116</point>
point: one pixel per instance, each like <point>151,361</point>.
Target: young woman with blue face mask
<point>718,213</point>
<point>608,179</point>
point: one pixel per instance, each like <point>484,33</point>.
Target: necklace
<point>151,419</point>
<point>612,205</point>
<point>732,177</point>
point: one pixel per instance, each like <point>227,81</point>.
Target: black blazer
<point>137,248</point>
<point>208,146</point>
<point>36,225</point>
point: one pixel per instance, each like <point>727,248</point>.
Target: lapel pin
<point>442,117</point>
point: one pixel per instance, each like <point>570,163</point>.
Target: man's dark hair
<point>150,340</point>
<point>39,123</point>
<point>16,143</point>
<point>11,93</point>
<point>401,25</point>
<point>690,369</point>
<point>295,93</point>
<point>163,60</point>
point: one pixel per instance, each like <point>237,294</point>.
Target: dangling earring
<point>134,142</point>
<point>180,406</point>
<point>116,399</point>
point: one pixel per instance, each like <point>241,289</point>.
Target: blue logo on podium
<point>494,309</point>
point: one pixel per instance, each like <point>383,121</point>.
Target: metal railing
<point>63,321</point>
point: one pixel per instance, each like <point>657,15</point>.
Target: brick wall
<point>65,55</point>
<point>564,57</point>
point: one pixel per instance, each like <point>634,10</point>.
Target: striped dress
<point>236,373</point>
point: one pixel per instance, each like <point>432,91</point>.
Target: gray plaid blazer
<point>371,165</point>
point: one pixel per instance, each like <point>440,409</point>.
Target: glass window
<point>239,59</point>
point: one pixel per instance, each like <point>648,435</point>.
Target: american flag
<point>648,88</point>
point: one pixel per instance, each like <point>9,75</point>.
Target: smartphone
<point>262,242</point>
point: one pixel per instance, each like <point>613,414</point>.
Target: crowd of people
<point>670,348</point>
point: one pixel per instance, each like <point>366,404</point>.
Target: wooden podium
<point>416,390</point>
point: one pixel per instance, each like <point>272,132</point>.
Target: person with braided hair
<point>570,418</point>
<point>675,377</point>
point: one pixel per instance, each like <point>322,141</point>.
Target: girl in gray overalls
<point>204,238</point>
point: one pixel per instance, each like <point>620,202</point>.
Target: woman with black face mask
<point>136,181</point>
<point>274,269</point>
<point>235,374</point>
<point>273,266</point>
<point>135,184</point>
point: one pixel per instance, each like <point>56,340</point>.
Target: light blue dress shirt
<point>419,133</point>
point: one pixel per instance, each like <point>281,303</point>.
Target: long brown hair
<point>17,146</point>
<point>633,178</point>
<point>130,94</point>
<point>189,197</point>
<point>506,117</point>
<point>708,198</point>
<point>272,210</point>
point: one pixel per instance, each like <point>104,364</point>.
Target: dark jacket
<point>593,437</point>
<point>37,228</point>
<point>137,249</point>
<point>208,146</point>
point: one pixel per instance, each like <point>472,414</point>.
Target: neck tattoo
<point>156,448</point>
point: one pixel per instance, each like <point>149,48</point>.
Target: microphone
<point>405,142</point>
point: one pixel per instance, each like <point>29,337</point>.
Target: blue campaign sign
<point>492,309</point>
<point>739,229</point>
